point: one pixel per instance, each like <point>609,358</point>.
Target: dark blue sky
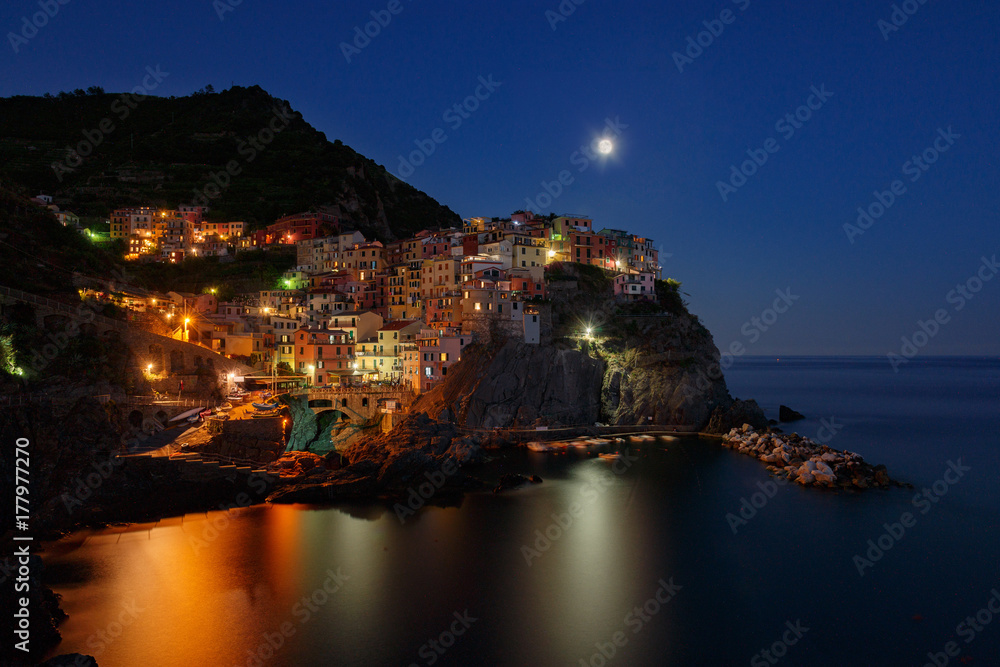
<point>783,228</point>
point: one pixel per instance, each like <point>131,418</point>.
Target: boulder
<point>740,413</point>
<point>786,414</point>
<point>510,481</point>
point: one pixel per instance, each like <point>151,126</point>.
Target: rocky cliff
<point>521,383</point>
<point>640,364</point>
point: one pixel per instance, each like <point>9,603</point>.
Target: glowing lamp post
<point>187,320</point>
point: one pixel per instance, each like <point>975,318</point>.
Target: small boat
<point>668,438</point>
<point>612,456</point>
<point>265,406</point>
<point>187,416</point>
<point>580,444</point>
<point>598,442</point>
<point>641,438</point>
<point>536,446</point>
<point>225,406</point>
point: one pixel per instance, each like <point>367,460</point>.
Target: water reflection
<point>215,589</point>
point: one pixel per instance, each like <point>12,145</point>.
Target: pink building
<point>437,351</point>
<point>635,287</point>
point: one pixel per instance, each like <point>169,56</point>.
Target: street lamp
<point>186,321</point>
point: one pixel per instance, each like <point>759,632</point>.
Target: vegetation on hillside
<point>248,272</point>
<point>164,151</point>
<point>39,255</point>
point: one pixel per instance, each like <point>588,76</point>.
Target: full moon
<point>605,146</point>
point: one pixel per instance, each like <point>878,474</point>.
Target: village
<point>358,311</point>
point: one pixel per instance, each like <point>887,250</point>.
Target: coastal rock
<point>740,413</point>
<point>511,480</point>
<point>806,462</point>
<point>403,467</point>
<point>786,414</point>
<point>657,366</point>
<point>466,451</point>
<point>525,382</point>
<point>337,487</point>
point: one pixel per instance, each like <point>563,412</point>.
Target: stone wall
<point>259,440</point>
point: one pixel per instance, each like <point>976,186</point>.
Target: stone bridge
<point>162,354</point>
<point>357,402</point>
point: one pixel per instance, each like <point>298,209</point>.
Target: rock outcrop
<point>419,456</point>
<point>786,414</point>
<point>662,371</point>
<point>805,462</point>
<point>523,383</point>
<point>738,413</point>
<point>641,363</point>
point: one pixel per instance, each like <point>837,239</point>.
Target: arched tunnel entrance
<point>320,425</point>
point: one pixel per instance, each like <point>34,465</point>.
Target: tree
<point>95,90</point>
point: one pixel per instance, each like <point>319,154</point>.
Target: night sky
<point>887,93</point>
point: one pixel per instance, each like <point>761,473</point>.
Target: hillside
<point>39,255</point>
<point>164,150</point>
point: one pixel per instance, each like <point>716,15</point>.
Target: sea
<point>681,553</point>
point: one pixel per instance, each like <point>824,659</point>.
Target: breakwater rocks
<point>806,462</point>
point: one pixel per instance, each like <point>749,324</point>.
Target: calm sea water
<point>454,586</point>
